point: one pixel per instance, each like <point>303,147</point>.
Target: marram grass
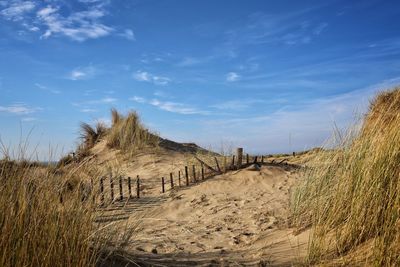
<point>351,194</point>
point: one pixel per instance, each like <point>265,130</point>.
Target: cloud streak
<point>144,76</point>
<point>19,109</point>
<point>170,106</point>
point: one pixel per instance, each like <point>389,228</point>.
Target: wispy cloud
<point>128,34</point>
<point>192,61</point>
<point>232,77</point>
<point>144,76</point>
<point>58,18</point>
<point>82,73</point>
<point>289,28</point>
<point>170,106</point>
<point>239,104</point>
<point>45,88</point>
<point>104,100</point>
<point>17,9</point>
<point>78,26</point>
<point>19,109</point>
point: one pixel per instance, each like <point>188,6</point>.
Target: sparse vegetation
<point>36,229</point>
<point>128,133</point>
<point>351,195</point>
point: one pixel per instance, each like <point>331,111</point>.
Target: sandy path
<point>235,218</point>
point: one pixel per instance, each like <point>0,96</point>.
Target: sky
<point>268,76</point>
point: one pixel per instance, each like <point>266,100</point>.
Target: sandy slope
<point>236,218</point>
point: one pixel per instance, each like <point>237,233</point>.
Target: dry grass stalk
<point>352,195</point>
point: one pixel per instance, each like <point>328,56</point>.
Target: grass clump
<point>128,133</point>
<point>352,194</point>
<point>38,227</point>
<point>91,135</point>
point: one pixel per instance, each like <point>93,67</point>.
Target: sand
<point>237,218</point>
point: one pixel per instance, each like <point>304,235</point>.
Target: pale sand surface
<point>233,219</point>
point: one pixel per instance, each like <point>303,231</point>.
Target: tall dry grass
<point>43,220</point>
<point>128,133</point>
<point>352,194</point>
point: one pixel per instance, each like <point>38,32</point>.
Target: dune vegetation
<point>46,217</point>
<point>351,194</point>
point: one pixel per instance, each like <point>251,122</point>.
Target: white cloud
<point>88,110</point>
<point>232,77</point>
<point>173,107</point>
<point>78,26</point>
<point>108,100</point>
<point>17,10</point>
<point>44,88</point>
<point>19,109</point>
<point>237,105</point>
<point>128,34</point>
<point>138,99</point>
<point>82,73</point>
<point>144,76</point>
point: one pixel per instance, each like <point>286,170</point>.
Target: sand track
<point>236,218</point>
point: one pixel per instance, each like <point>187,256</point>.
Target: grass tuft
<point>128,133</point>
<point>350,195</point>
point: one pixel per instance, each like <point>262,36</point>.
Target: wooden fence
<point>191,175</point>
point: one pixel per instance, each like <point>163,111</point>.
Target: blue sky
<point>270,76</point>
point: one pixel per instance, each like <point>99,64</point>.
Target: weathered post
<point>216,161</point>
<point>262,159</point>
<point>179,178</point>
<point>112,188</point>
<point>247,158</point>
<point>194,173</point>
<point>101,191</point>
<point>121,196</point>
<point>129,187</point>
<point>255,160</point>
<point>233,161</point>
<point>202,172</point>
<point>137,186</point>
<point>225,167</point>
<point>294,154</point>
<point>171,178</point>
<point>187,176</point>
<point>239,154</point>
<point>162,184</point>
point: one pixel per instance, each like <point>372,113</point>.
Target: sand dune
<point>238,217</point>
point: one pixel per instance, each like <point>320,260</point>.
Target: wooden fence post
<point>247,158</point>
<point>162,184</point>
<point>239,154</point>
<point>121,196</point>
<point>233,161</point>
<point>255,159</point>
<point>216,161</point>
<point>179,178</point>
<point>194,173</point>
<point>137,186</point>
<point>112,188</point>
<point>171,178</point>
<point>262,159</point>
<point>187,176</point>
<point>101,191</point>
<point>225,167</point>
<point>129,187</point>
<point>202,172</point>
